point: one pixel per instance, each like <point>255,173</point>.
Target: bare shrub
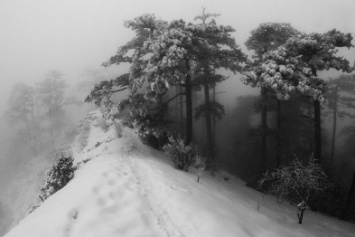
<point>296,183</point>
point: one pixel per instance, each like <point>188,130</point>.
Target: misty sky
<point>75,35</point>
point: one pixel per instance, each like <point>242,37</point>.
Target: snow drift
<point>124,188</point>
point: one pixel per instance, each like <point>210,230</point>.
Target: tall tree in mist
<point>51,94</point>
<point>172,63</point>
<point>341,98</point>
<point>244,156</point>
<point>265,38</point>
<point>23,110</point>
<point>20,105</point>
<point>294,66</point>
<point>317,52</point>
<point>215,48</point>
<point>348,151</point>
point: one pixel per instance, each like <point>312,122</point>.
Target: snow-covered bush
<point>182,155</point>
<point>109,110</point>
<point>296,183</point>
<point>155,137</point>
<point>58,176</point>
<point>200,165</point>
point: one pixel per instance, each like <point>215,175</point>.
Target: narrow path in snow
<point>132,155</point>
<point>120,204</point>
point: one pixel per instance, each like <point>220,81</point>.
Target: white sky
<point>74,35</point>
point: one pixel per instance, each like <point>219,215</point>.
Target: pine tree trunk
<point>317,127</point>
<point>214,118</point>
<point>317,132</point>
<point>177,109</point>
<point>349,199</point>
<point>208,124</point>
<point>263,128</point>
<point>278,138</point>
<point>188,91</point>
<point>300,217</point>
<point>181,111</point>
<point>335,113</point>
<point>310,115</point>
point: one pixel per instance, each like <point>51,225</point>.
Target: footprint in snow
<point>112,182</point>
<point>96,190</point>
<point>178,188</point>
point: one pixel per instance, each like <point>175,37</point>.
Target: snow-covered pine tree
<point>294,65</point>
<point>267,37</point>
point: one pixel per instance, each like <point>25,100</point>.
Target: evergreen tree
<point>265,38</point>
<point>142,102</point>
<point>216,48</point>
<point>294,66</point>
<point>341,97</point>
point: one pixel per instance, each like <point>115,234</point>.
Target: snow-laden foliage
<point>294,65</point>
<point>58,176</point>
<point>183,156</point>
<point>155,136</point>
<point>103,91</point>
<point>269,36</point>
<point>285,75</point>
<point>296,182</point>
<point>214,108</point>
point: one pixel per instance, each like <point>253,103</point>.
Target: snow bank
<point>124,188</point>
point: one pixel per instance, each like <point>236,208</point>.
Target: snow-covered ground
<point>128,189</point>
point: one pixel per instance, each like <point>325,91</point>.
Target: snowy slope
<point>128,189</point>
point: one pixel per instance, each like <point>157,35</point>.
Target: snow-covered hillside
<point>128,189</point>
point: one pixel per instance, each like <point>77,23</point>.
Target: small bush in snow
<point>200,165</point>
<point>182,155</point>
<point>296,183</point>
<point>155,137</point>
<point>58,176</point>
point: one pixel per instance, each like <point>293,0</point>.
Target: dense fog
<point>67,41</point>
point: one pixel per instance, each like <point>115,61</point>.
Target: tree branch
<point>168,101</point>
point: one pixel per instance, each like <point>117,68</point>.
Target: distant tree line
<point>38,112</point>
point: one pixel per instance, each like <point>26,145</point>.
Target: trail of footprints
<point>112,195</point>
